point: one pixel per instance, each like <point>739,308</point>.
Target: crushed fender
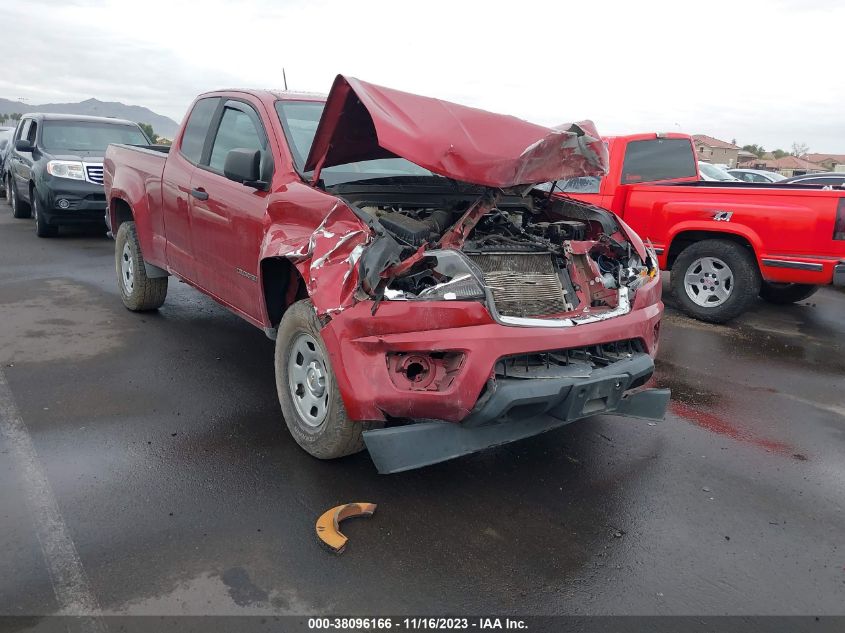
<point>328,530</point>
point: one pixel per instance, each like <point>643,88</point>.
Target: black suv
<point>54,171</point>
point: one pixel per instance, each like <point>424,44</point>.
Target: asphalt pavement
<point>145,469</point>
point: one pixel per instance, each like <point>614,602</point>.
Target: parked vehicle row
<point>54,169</point>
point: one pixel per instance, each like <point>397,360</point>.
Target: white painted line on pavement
<point>70,583</point>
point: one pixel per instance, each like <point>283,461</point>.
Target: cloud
<point>754,71</point>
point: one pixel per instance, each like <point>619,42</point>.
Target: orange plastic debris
<point>328,530</point>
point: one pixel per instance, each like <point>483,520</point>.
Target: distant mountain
<point>163,126</point>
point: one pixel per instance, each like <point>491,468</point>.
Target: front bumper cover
<point>85,202</point>
<point>520,408</point>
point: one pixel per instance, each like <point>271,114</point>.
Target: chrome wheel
<point>307,376</point>
<point>127,269</point>
<point>12,195</point>
<point>8,190</point>
<point>33,209</point>
<point>709,282</point>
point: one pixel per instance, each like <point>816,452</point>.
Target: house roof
<point>818,158</point>
<point>787,162</point>
<point>709,141</point>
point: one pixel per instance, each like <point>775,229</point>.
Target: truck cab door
<point>191,149</point>
<point>227,216</point>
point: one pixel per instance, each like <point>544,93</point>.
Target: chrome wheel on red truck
<point>709,282</point>
<point>308,394</point>
<point>715,280</point>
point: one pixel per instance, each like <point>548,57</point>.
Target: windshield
<point>88,136</point>
<point>299,120</point>
<point>714,173</point>
<point>5,137</point>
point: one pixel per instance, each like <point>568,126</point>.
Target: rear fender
<point>713,229</point>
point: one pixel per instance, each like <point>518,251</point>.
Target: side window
<point>237,130</point>
<point>196,129</point>
<point>32,132</point>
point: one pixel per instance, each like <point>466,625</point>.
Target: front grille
<point>522,284</point>
<point>557,362</point>
<point>94,173</point>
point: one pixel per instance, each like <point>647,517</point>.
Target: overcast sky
<point>766,71</point>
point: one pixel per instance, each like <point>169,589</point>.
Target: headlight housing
<point>443,276</point>
<point>71,169</point>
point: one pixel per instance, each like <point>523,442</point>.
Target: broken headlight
<point>443,275</point>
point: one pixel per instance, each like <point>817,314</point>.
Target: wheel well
<point>687,238</point>
<point>282,285</point>
<point>121,212</point>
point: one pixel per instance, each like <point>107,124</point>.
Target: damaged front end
<point>469,297</point>
<point>533,261</point>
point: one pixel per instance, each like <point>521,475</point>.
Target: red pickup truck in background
<point>426,299</point>
<point>725,242</point>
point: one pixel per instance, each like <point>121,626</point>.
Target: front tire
<point>308,393</point>
<point>20,209</point>
<point>784,294</point>
<point>715,280</point>
<point>137,291</point>
<point>42,229</point>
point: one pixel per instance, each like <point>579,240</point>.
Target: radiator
<point>523,284</point>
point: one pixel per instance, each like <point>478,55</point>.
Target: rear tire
<point>784,294</point>
<point>308,394</point>
<point>137,291</point>
<point>715,280</point>
<point>20,209</point>
<point>42,229</point>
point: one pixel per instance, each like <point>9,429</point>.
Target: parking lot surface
<point>146,469</point>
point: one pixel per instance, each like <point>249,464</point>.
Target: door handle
<point>199,193</point>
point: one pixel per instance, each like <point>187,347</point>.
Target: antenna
<point>284,78</point>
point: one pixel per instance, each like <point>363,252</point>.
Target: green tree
<point>779,153</point>
<point>755,149</point>
<point>16,116</point>
<point>148,130</point>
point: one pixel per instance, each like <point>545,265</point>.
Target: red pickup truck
<point>725,242</point>
<point>426,299</point>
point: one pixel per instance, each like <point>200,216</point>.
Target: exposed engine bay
<point>529,256</point>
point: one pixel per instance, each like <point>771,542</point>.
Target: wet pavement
<point>177,489</point>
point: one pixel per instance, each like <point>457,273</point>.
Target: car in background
<point>825,179</point>
<point>756,175</point>
<point>713,173</point>
<point>6,134</point>
<point>55,168</point>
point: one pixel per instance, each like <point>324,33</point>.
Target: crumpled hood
<point>362,121</point>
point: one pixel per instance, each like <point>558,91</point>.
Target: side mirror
<point>23,145</point>
<point>244,166</point>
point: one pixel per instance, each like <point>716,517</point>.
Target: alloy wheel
<point>709,282</point>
